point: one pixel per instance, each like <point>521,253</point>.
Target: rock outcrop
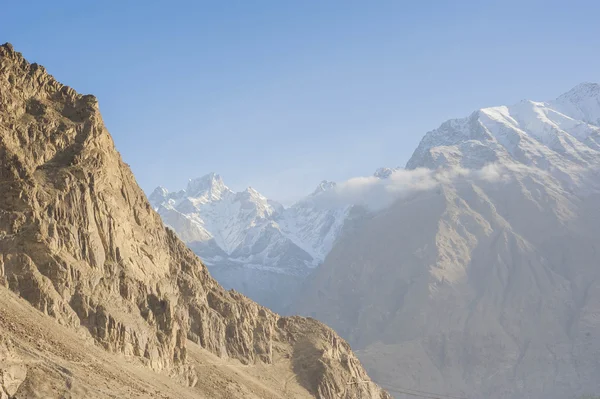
<point>80,242</point>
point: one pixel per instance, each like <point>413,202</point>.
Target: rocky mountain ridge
<point>80,242</point>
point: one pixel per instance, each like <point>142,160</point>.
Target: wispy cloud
<point>375,193</point>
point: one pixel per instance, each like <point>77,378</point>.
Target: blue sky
<point>282,94</point>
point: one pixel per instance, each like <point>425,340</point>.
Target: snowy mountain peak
<point>557,136</point>
<point>249,242</point>
<point>325,185</point>
<point>384,173</point>
<point>210,185</point>
<point>582,91</point>
<point>259,201</point>
<point>158,195</point>
<point>581,102</point>
<point>253,192</point>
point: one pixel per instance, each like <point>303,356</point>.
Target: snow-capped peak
<point>253,192</point>
<point>252,195</point>
<point>384,173</point>
<point>158,195</point>
<point>557,136</point>
<point>581,102</point>
<point>252,199</point>
<point>325,185</point>
<point>582,91</point>
<point>210,185</point>
<point>246,228</point>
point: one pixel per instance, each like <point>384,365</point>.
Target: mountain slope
<point>80,242</point>
<point>487,284</point>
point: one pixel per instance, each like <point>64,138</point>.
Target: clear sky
<point>282,94</point>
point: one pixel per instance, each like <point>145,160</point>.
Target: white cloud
<point>375,193</point>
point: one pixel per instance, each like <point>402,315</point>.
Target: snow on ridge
<point>559,135</point>
<point>249,227</point>
<point>384,173</point>
<point>582,102</point>
<point>324,185</point>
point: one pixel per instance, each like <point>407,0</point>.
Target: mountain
<point>530,133</point>
<point>250,243</point>
<point>485,282</point>
<point>98,299</point>
<point>384,173</point>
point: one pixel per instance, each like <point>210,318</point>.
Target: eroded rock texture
<point>80,242</point>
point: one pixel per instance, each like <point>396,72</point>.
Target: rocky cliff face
<point>80,242</point>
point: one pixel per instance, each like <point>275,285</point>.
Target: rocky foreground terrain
<point>98,299</point>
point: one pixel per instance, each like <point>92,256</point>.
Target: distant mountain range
<point>250,243</point>
<point>474,271</point>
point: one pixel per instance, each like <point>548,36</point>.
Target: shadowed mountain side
<point>476,289</point>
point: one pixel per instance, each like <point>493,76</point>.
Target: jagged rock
<point>80,242</point>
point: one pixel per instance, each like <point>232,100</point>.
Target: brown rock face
<point>80,242</point>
